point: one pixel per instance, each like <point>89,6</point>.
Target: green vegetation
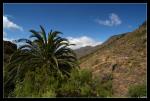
<point>50,52</point>
<point>137,91</point>
<point>80,84</point>
<point>36,84</point>
<point>45,66</point>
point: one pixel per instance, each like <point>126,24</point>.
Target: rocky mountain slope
<point>84,51</point>
<point>124,57</point>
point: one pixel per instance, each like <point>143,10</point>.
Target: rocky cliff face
<point>124,57</point>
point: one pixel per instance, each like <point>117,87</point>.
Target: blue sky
<point>84,24</point>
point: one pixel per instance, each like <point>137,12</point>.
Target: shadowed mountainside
<point>9,48</point>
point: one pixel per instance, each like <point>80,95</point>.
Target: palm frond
<point>43,34</point>
<point>36,35</point>
<point>55,33</point>
<point>51,52</point>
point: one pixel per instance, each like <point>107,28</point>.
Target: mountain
<point>84,51</point>
<point>9,48</point>
<point>123,56</point>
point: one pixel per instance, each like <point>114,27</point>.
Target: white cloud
<point>8,39</point>
<point>113,20</point>
<point>82,42</point>
<point>4,33</point>
<point>7,24</point>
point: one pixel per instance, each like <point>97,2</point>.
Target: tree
<point>42,51</point>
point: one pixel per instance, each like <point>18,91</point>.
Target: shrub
<point>137,91</point>
<point>36,84</point>
<point>76,85</point>
<point>105,89</point>
<point>49,93</point>
<point>81,84</point>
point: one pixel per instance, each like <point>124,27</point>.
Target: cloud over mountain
<point>82,42</point>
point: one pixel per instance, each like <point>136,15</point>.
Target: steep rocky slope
<point>124,57</point>
<point>83,51</point>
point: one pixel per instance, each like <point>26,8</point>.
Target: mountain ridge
<point>124,57</point>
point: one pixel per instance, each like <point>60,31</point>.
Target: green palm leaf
<point>43,34</point>
<point>51,52</point>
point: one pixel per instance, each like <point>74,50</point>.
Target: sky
<point>82,24</point>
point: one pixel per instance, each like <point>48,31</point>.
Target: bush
<point>137,91</point>
<point>77,85</point>
<point>49,93</point>
<point>105,89</point>
<point>36,84</point>
<point>80,84</point>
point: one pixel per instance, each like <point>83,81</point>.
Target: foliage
<point>45,67</point>
<point>137,91</point>
<point>36,84</point>
<point>41,51</point>
<point>75,84</point>
<point>81,84</point>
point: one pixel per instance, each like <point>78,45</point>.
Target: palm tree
<point>42,51</point>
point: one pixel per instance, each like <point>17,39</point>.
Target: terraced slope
<point>124,57</point>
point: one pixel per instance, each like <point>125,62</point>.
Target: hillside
<point>121,59</point>
<point>84,51</point>
<point>122,56</point>
<point>9,48</point>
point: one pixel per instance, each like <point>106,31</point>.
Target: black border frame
<point>74,1</point>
